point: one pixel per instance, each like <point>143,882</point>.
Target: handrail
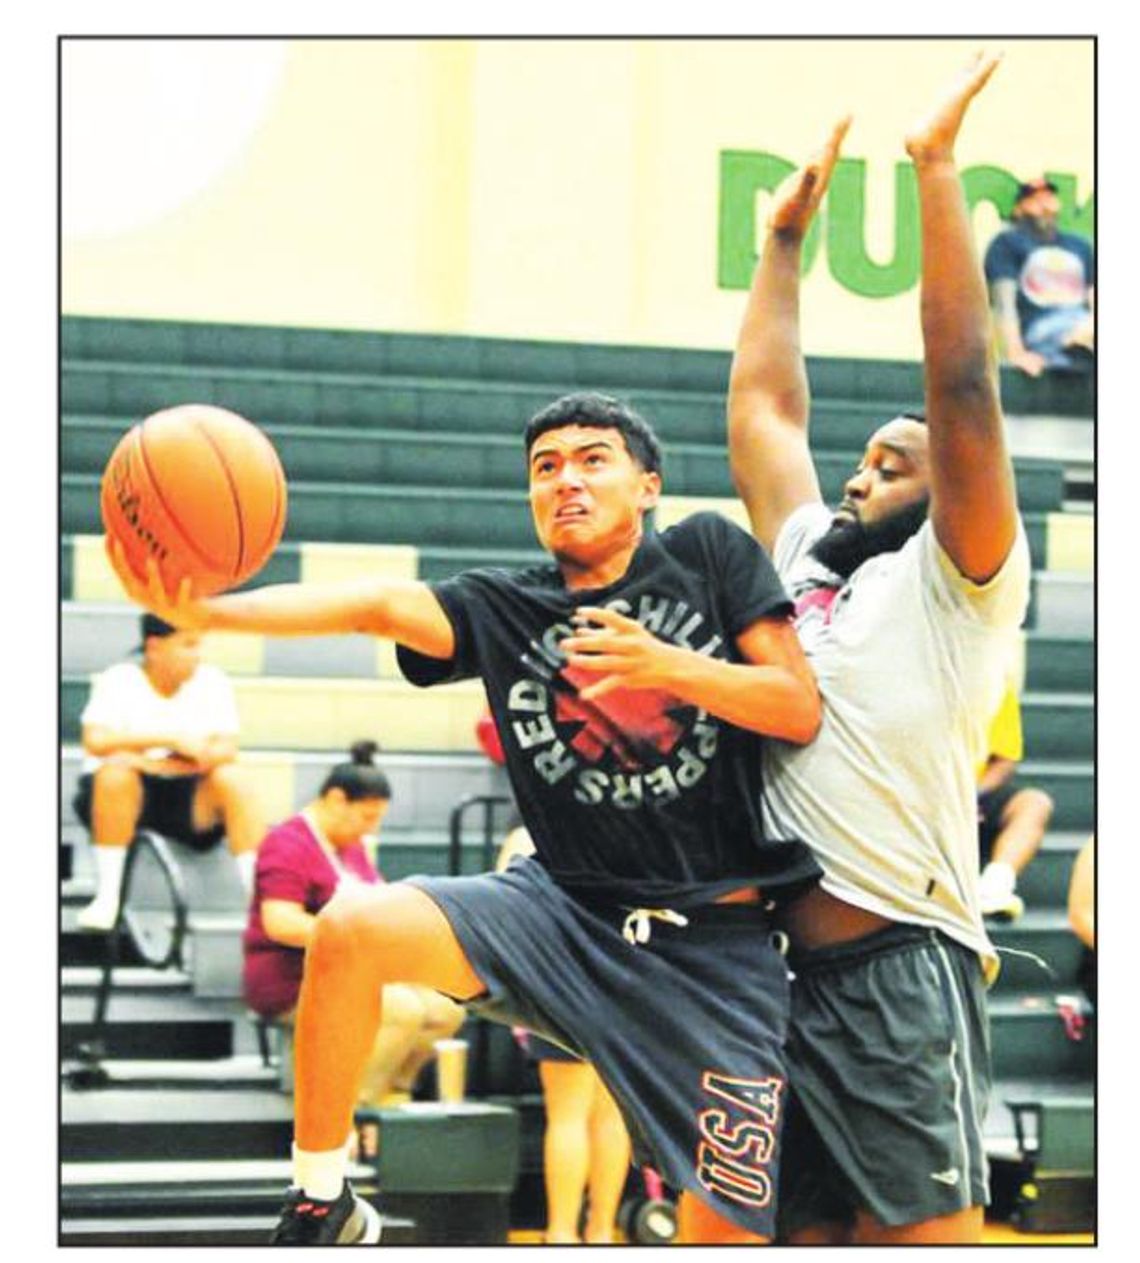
<point>455,846</point>
<point>91,1072</point>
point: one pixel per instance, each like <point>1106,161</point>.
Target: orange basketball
<point>201,490</point>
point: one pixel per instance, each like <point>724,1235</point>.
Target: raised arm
<point>403,610</point>
<point>768,397</point>
<point>973,502</point>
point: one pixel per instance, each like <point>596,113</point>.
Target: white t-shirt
<point>911,658</point>
<point>122,698</point>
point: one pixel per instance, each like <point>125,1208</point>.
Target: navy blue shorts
<point>539,1049</point>
<point>687,1029</point>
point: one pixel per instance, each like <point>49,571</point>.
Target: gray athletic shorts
<point>889,1061</point>
<point>687,1029</point>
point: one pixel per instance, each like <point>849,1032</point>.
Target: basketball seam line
<point>198,425</point>
<point>157,489</point>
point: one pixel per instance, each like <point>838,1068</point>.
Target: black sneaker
<point>305,1220</point>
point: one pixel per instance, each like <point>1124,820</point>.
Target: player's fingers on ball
<point>154,584</point>
<point>110,547</point>
<point>117,556</point>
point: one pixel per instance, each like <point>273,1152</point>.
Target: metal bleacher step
<point>129,979</point>
<point>146,1026</point>
<point>1038,951</point>
<point>1071,784</point>
<point>1063,603</point>
<point>1000,1132</point>
<point>201,1122</point>
<point>881,384</point>
<point>189,1203</point>
<point>428,404</point>
<point>1045,882</point>
<point>166,1230</point>
<point>1031,1039</point>
<point>235,1073</point>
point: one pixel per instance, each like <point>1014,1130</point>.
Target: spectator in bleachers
<point>1082,913</point>
<point>160,740</point>
<point>1012,816</point>
<point>300,865</point>
<point>1042,287</point>
<point>585,1146</point>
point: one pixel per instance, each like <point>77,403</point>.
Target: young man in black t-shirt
<point>632,681</point>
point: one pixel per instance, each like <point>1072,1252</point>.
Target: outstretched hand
<point>933,136</point>
<point>181,610</point>
<point>797,199</point>
<point>624,653</point>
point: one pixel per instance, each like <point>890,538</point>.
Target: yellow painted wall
<point>552,189</point>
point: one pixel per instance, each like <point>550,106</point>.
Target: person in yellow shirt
<point>1012,817</point>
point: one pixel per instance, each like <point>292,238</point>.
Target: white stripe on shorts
<point>961,1068</point>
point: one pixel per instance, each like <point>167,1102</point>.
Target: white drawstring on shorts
<point>636,928</point>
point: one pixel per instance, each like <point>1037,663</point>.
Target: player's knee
<point>1033,803</point>
<point>350,930</point>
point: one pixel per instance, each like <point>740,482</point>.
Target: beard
<point>846,545</point>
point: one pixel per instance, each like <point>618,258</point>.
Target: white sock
<point>998,879</point>
<point>109,861</point>
<point>246,863</point>
<point>320,1173</point>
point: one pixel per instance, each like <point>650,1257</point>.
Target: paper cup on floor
<point>451,1069</point>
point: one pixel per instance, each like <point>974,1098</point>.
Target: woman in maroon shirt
<point>300,864</point>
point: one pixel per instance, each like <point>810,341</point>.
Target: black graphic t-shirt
<point>636,796</point>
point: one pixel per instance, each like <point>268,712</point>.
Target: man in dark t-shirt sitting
<point>1042,286</point>
<point>632,680</point>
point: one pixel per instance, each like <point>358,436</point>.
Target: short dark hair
<point>151,625</point>
<point>915,415</point>
<point>588,408</point>
<point>360,778</point>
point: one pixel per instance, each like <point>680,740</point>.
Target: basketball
<point>201,490</point>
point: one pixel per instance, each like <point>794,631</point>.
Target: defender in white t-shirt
<point>159,741</point>
<point>907,599</point>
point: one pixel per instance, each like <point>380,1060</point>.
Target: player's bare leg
<point>699,1224</point>
<point>821,1234</point>
<point>363,939</point>
<point>963,1227</point>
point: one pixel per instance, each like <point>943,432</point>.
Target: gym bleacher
<point>403,454</point>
